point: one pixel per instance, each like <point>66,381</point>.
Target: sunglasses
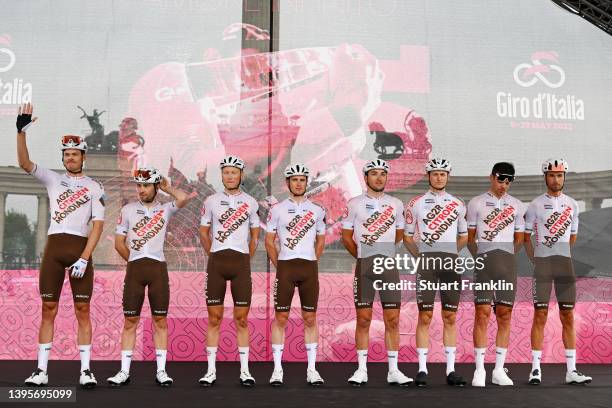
<point>501,177</point>
<point>71,140</point>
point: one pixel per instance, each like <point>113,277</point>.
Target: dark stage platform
<point>142,392</point>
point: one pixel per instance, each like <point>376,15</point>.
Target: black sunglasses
<point>501,177</point>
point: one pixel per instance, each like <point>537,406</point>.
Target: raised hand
<point>24,117</point>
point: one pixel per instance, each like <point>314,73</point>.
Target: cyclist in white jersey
<point>436,230</point>
<point>74,201</point>
<point>140,235</point>
<point>552,222</point>
<point>229,232</point>
<point>372,226</point>
<point>299,225</point>
<point>496,227</point>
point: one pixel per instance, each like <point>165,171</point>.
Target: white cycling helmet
<point>232,161</point>
<point>554,165</point>
<point>438,164</point>
<point>377,164</point>
<point>146,175</point>
<point>296,170</point>
<point>73,142</point>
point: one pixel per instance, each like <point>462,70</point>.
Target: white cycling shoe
<point>37,379</point>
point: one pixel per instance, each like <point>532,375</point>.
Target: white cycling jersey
<point>73,201</point>
<point>436,219</point>
<point>297,226</point>
<point>495,221</point>
<point>230,218</point>
<point>374,222</point>
<point>145,228</point>
<point>552,220</point>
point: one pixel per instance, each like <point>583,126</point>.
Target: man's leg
<point>540,315</point>
<point>242,335</point>
<point>503,315</point>
<point>362,335</point>
<point>215,317</point>
<point>392,337</point>
<point>83,333</point>
<point>449,334</point>
<point>482,313</point>
<point>160,338</point>
<point>311,337</point>
<point>569,337</point>
<point>128,341</point>
<point>45,333</point>
<point>422,337</point>
<point>278,338</point>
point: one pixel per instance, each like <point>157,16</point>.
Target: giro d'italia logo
<point>542,68</point>
<point>13,91</point>
<point>7,56</point>
<point>542,106</point>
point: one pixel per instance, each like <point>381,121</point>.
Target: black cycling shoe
<point>421,379</point>
<point>455,380</point>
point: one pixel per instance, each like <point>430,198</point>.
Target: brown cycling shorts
<point>367,282</point>
<point>140,274</point>
<point>560,270</point>
<point>298,272</point>
<point>228,265</point>
<point>432,272</point>
<point>498,266</point>
<point>61,251</point>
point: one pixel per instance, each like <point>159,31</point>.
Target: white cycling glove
<point>77,270</point>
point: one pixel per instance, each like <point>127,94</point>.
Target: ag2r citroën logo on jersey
<point>557,224</point>
<point>497,220</point>
<point>439,219</point>
<point>377,224</point>
<point>231,219</point>
<point>69,201</point>
<point>146,229</point>
<point>298,227</point>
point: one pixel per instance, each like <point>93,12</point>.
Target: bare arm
<point>253,241</point>
<point>518,241</point>
<point>411,246</point>
<point>462,241</point>
<point>348,242</point>
<point>528,246</point>
<point>319,246</point>
<point>471,243</point>
<point>179,195</point>
<point>23,156</point>
<point>205,239</point>
<point>121,247</point>
<point>399,235</point>
<point>271,247</point>
<point>572,240</point>
<point>92,240</point>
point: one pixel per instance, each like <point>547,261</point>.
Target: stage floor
<point>186,392</point>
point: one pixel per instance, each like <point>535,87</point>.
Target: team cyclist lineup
<point>434,225</point>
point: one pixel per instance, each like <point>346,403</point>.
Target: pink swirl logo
<point>542,68</point>
<point>5,39</point>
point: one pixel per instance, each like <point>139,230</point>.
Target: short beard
<point>74,172</point>
<point>376,190</point>
<point>152,198</point>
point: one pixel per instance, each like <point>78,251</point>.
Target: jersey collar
<point>292,201</point>
<point>493,196</point>
<point>374,198</point>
